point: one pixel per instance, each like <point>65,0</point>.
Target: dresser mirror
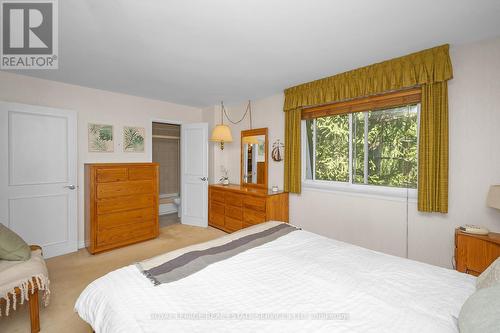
<point>254,145</point>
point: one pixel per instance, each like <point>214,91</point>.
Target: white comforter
<point>300,273</point>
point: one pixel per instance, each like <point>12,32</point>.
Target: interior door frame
<point>73,158</point>
<point>149,143</point>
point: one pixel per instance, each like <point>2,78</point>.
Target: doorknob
<point>204,179</point>
<point>71,187</point>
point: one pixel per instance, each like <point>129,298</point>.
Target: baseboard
<point>81,244</point>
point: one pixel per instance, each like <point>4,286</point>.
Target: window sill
<point>370,191</point>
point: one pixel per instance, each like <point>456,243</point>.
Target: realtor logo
<point>29,34</point>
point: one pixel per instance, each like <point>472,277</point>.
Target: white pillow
<point>490,276</point>
<point>481,312</point>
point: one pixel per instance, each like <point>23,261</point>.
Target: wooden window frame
<point>362,104</point>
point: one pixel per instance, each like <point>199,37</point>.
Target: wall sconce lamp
<point>222,133</point>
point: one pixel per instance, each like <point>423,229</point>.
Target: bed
<point>298,281</point>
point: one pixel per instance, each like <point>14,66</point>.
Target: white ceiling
<point>198,52</point>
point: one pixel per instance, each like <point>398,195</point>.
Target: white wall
<point>266,112</point>
<point>95,106</point>
<point>474,110</point>
<point>374,222</point>
<point>380,223</point>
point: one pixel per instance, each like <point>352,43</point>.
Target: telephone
<point>474,229</point>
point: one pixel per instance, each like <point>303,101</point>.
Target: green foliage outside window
<point>332,159</point>
<point>391,146</point>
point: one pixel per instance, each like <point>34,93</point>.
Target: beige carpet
<point>71,273</point>
<point>168,219</point>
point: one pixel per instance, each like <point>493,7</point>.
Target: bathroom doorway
<point>166,139</point>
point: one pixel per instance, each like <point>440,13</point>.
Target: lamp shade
<point>221,133</point>
<point>494,197</point>
<point>251,140</point>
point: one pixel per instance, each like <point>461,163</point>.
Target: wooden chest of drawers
<point>234,207</point>
<point>121,204</point>
<point>474,253</point>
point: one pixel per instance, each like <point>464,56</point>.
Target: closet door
<point>38,189</point>
<point>194,178</point>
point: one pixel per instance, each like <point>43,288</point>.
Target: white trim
<point>150,154</point>
<point>169,137</point>
<point>149,134</point>
<point>370,191</point>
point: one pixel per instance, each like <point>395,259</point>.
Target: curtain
<point>429,69</point>
<point>293,165</point>
<point>433,149</point>
<point>416,69</point>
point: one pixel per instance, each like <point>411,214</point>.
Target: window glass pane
<point>332,148</point>
<point>309,148</point>
<point>358,150</point>
<point>392,147</point>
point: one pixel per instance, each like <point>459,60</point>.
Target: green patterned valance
<point>424,67</point>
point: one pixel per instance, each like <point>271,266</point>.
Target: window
<point>365,148</point>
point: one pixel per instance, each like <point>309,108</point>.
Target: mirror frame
<point>255,132</point>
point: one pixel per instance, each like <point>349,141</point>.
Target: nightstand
<point>474,253</point>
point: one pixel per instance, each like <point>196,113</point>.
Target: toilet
<point>177,203</point>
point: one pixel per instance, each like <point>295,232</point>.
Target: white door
<point>38,196</point>
<point>194,177</point>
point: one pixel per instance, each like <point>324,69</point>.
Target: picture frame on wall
<point>133,139</point>
<point>100,138</point>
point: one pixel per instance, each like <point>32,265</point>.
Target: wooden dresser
<point>234,207</point>
<point>474,253</point>
<point>121,204</point>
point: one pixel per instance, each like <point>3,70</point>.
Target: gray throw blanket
<point>176,265</point>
